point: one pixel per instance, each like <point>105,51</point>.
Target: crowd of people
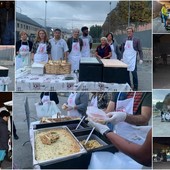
<point>78,46</point>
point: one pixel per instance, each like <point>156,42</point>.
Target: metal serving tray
<point>55,160</point>
<point>93,137</point>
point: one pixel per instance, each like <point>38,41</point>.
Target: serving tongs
<point>80,122</point>
<point>89,136</point>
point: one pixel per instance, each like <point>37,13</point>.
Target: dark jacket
<point>81,102</point>
<point>53,96</point>
<point>70,42</point>
<point>3,134</point>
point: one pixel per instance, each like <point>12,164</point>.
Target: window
<point>17,25</point>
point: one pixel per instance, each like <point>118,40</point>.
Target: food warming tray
<point>62,158</point>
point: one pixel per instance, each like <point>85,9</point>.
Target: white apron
<point>114,55</point>
<point>129,55</point>
<point>125,106</point>
<point>71,102</point>
<point>45,98</point>
<point>86,48</point>
<point>74,56</point>
<point>25,55</point>
<point>41,54</point>
<point>94,101</point>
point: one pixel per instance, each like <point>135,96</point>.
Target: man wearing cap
<point>87,42</point>
<point>130,48</point>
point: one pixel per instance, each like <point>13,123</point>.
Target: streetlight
<point>110,17</point>
<point>45,14</point>
<point>129,15</point>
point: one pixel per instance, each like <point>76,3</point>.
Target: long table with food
<point>96,77</point>
<point>58,144</point>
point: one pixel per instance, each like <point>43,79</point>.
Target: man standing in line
<point>59,46</point>
<point>87,42</point>
<point>130,47</point>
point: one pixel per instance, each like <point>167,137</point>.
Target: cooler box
<point>90,69</point>
<point>3,71</point>
<point>115,71</point>
<point>37,68</point>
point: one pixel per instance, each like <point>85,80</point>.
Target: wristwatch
<point>107,131</point>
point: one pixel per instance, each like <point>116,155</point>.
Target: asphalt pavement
<point>158,26</point>
<point>160,129</point>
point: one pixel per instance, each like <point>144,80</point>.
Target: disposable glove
<point>99,127</point>
<point>116,117</point>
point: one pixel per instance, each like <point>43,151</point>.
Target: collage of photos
<point>84,84</point>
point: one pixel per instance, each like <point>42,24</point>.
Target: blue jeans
<point>134,77</point>
<point>165,19</point>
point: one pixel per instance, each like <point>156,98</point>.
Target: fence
<point>7,53</point>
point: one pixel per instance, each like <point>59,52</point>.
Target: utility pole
<point>110,17</point>
<point>45,25</point>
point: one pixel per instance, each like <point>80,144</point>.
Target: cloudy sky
<point>159,95</point>
<point>66,14</point>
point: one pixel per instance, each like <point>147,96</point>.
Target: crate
<point>58,67</point>
<point>2,155</point>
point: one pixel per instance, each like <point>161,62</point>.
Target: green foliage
<point>95,31</point>
<point>159,105</point>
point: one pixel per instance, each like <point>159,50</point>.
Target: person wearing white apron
<point>45,98</point>
<point>23,48</point>
<point>41,51</point>
<point>59,46</point>
<point>71,102</point>
<point>116,54</point>
<point>75,46</point>
<point>130,48</point>
<point>87,42</point>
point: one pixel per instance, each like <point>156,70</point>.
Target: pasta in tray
<point>65,145</point>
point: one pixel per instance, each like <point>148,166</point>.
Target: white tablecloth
<point>25,81</point>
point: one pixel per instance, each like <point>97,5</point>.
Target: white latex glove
<point>140,61</point>
<point>116,117</point>
<point>99,127</point>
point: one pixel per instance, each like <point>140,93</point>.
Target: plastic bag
<point>108,160</point>
<point>96,114</point>
<point>48,109</point>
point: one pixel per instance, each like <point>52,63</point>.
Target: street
<point>161,165</point>
<point>160,129</point>
<point>158,26</point>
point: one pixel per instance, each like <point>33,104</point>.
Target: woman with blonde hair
<point>41,50</point>
<point>103,51</point>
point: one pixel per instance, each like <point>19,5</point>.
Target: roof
<point>26,19</point>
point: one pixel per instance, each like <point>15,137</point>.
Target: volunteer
<point>103,51</point>
<point>23,48</point>
<point>41,50</point>
<point>140,153</point>
<point>75,45</point>
<point>134,108</point>
<point>49,96</point>
<point>59,46</point>
<point>116,54</point>
<point>87,42</point>
<point>130,47</point>
<point>77,104</point>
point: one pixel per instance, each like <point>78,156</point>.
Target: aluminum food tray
<point>93,137</point>
<point>63,158</point>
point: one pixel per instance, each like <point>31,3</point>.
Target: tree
<point>95,31</point>
<point>159,105</point>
